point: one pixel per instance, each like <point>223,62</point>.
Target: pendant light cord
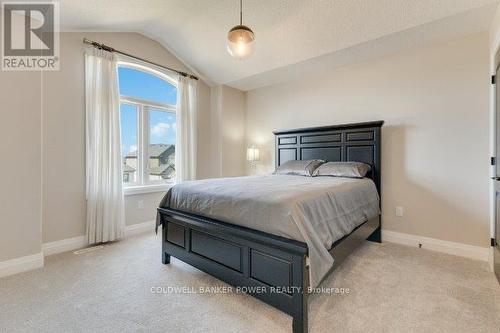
<point>241,12</point>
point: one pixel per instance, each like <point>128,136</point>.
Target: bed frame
<point>258,262</point>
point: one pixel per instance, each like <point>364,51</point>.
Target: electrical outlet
<point>140,204</point>
<point>399,211</point>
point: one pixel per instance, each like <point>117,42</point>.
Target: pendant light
<point>240,39</point>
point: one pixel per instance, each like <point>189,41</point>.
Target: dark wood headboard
<point>360,142</point>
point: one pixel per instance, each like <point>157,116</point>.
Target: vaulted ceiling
<point>292,36</point>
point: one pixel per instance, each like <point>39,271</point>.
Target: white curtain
<point>185,150</point>
<point>105,203</point>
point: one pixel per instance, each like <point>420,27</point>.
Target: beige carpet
<point>392,289</point>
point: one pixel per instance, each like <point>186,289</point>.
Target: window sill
<point>132,190</point>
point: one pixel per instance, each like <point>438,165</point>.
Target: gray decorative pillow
<point>299,168</point>
<point>343,169</point>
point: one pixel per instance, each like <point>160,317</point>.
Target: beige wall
<point>64,134</point>
<point>495,32</point>
<point>228,107</point>
<point>20,192</point>
<point>233,132</point>
<point>435,140</point>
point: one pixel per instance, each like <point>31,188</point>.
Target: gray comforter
<point>314,210</point>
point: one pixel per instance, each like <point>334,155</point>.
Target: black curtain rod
<point>110,49</point>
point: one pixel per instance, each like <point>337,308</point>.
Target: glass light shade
<point>240,40</point>
<point>253,154</point>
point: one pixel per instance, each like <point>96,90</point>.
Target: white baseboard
<point>76,243</point>
<point>140,228</point>
<point>64,245</point>
<point>458,249</point>
<point>22,264</point>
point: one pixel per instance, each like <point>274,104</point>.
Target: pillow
<point>300,168</point>
<point>343,169</point>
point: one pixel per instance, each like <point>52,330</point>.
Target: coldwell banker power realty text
<point>30,36</point>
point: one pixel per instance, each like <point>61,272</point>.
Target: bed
<point>221,226</point>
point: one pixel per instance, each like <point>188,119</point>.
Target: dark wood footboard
<point>270,268</point>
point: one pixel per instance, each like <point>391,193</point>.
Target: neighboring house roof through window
<point>155,150</point>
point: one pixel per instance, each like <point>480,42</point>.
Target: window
<point>148,126</point>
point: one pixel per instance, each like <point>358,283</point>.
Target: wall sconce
<point>253,155</point>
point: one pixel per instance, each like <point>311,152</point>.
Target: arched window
<point>148,101</point>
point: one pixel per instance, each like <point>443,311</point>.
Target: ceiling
<point>292,36</point>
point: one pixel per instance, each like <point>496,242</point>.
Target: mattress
<point>314,210</point>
